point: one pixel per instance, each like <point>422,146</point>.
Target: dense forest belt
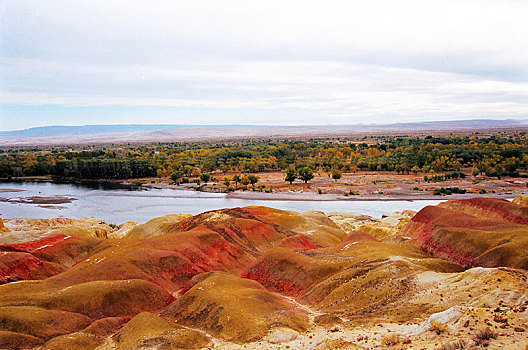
<point>495,156</point>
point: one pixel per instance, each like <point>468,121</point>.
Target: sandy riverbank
<point>39,200</point>
<point>375,186</point>
<point>296,196</point>
<point>303,195</point>
<point>10,190</point>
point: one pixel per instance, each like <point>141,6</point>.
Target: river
<point>121,205</point>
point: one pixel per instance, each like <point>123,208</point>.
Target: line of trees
<point>494,156</point>
<point>103,169</point>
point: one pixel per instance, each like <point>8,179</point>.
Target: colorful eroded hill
<point>450,276</point>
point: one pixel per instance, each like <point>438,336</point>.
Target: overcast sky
<point>261,62</point>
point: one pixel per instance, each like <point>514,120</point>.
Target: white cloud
<point>343,59</point>
<point>366,90</point>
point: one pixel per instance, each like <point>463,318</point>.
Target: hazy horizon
<point>425,122</point>
<point>254,63</point>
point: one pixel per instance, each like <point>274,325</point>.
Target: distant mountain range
<point>177,132</point>
<point>61,130</point>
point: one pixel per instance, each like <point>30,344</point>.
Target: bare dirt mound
<point>155,227</point>
<point>27,229</point>
<point>148,331</point>
<point>96,299</point>
<point>234,309</point>
<point>41,323</point>
<point>89,338</point>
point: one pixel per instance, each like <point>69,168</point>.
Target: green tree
<point>306,174</point>
<point>253,180</point>
<point>236,179</point>
<point>511,165</point>
<point>205,177</point>
<point>291,175</point>
<point>176,175</point>
<point>484,167</point>
<point>244,180</point>
<point>336,174</point>
<point>227,181</point>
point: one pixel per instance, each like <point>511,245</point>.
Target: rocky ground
<point>452,276</point>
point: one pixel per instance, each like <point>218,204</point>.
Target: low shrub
<point>483,336</point>
<point>437,327</point>
<point>448,191</point>
<point>390,339</point>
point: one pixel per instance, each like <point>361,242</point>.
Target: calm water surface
<point>121,205</point>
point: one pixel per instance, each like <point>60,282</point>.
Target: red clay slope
<point>473,232</point>
<point>120,278</point>
<point>338,278</point>
<point>44,257</point>
<point>254,229</point>
<point>490,209</point>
